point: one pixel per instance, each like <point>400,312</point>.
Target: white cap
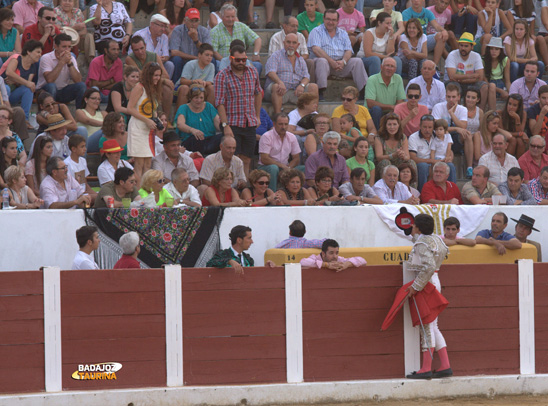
<point>160,18</point>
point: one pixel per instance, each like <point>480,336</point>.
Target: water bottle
<point>32,120</point>
<point>256,17</point>
<point>5,199</point>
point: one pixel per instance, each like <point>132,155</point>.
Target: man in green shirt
<point>384,90</point>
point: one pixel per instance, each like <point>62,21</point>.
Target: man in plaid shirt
<point>238,97</point>
<point>287,75</point>
<point>539,187</point>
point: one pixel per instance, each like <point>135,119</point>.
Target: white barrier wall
<point>32,239</point>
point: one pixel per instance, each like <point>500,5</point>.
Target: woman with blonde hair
<point>143,106</point>
<point>221,193</point>
<point>258,192</point>
<point>490,125</point>
<point>21,196</point>
<point>153,182</point>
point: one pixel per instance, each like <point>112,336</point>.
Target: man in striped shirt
<point>331,48</point>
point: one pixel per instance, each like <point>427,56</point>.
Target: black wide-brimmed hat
<point>526,221</point>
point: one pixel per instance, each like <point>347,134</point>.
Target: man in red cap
<point>185,41</point>
<point>425,260</point>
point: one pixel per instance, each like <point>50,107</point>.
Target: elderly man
<point>479,190</point>
<point>129,243</point>
<point>185,41</point>
<point>331,50</point>
<point>123,187</point>
<point>419,150</point>
<point>329,258</point>
<point>515,190</point>
<point>498,161</point>
<point>465,67</point>
<point>171,158</point>
<point>26,13</point>
<point>432,90</point>
<point>157,41</point>
<point>390,190</point>
<point>440,190</point>
<point>537,114</point>
<point>384,90</point>
<point>524,227</point>
<point>57,69</point>
<point>357,190</point>
<point>181,189</point>
<point>87,238</point>
<point>539,187</point>
<point>229,29</point>
<point>529,85</point>
<point>279,150</point>
<point>238,97</point>
<point>106,70</point>
<point>496,237</point>
<point>533,159</point>
<point>296,239</point>
<point>286,75</point>
<point>139,57</point>
<point>411,112</point>
<point>59,190</point>
<point>44,30</point>
<point>327,156</point>
<point>290,25</point>
<point>223,159</point>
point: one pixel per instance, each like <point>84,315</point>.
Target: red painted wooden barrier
<point>114,316</point>
<point>541,316</point>
<point>342,317</point>
<point>21,332</point>
<point>233,326</point>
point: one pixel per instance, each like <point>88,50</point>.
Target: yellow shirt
<point>362,117</point>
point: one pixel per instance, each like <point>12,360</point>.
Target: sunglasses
<point>50,18</point>
<point>414,96</point>
<point>238,60</point>
<point>347,99</point>
<point>160,181</point>
<point>536,146</point>
<point>196,89</point>
<point>47,106</point>
<point>428,117</point>
<point>262,182</point>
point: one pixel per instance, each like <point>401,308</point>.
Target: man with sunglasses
<point>171,158</point>
<point>411,112</point>
<point>59,190</point>
<point>44,30</point>
<point>533,160</point>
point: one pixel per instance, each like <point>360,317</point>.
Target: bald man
<point>432,89</point>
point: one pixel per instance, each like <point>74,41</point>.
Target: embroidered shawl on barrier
<point>469,216</point>
<point>168,236</point>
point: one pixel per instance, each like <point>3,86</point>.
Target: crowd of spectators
<point>385,143</point>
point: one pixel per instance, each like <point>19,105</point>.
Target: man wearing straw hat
<point>57,130</point>
<point>524,227</point>
<point>425,260</point>
<point>465,67</point>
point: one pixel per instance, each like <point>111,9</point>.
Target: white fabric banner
<point>469,216</point>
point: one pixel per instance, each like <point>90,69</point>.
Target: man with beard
<point>238,97</point>
<point>106,70</point>
<point>287,75</point>
<point>466,68</point>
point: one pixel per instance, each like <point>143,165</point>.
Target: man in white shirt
<point>88,241</point>
<point>432,90</point>
<point>181,189</point>
<point>457,119</point>
<point>157,41</point>
<point>498,161</point>
<point>390,190</point>
<point>59,190</point>
<point>465,67</point>
<point>419,150</point>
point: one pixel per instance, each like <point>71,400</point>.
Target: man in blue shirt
<point>497,237</point>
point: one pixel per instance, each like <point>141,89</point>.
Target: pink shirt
<point>52,192</point>
<point>530,168</point>
<point>25,14</point>
<point>317,261</point>
<point>442,19</point>
<point>521,50</point>
<point>98,71</point>
<point>414,124</point>
<point>272,144</point>
<point>48,62</point>
<point>349,22</point>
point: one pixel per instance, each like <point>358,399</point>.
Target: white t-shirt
<point>440,111</point>
<point>440,146</point>
<point>418,48</point>
<point>80,167</point>
<point>538,11</point>
<point>84,261</point>
<point>105,172</point>
<point>419,145</point>
<point>463,67</point>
